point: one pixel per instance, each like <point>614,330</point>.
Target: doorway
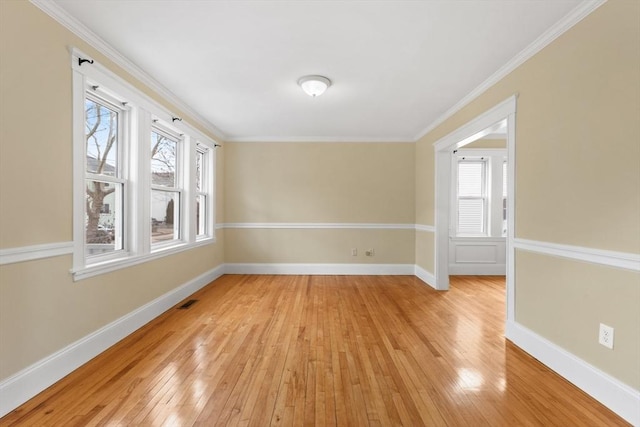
<point>500,118</point>
<point>478,222</point>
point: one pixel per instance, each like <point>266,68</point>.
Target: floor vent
<point>187,304</point>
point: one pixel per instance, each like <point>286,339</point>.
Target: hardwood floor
<point>320,350</point>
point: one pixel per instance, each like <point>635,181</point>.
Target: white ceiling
<point>396,66</point>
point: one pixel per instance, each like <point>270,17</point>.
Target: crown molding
<point>75,26</point>
<point>572,18</point>
<point>62,17</point>
<point>306,139</point>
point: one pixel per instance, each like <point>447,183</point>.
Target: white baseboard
<point>27,383</point>
<point>425,276</point>
<point>322,269</point>
<point>478,269</point>
<point>617,396</point>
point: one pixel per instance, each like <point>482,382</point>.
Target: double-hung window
<point>166,186</point>
<point>105,137</point>
<point>203,191</point>
<point>472,196</point>
<point>480,193</point>
<point>143,179</point>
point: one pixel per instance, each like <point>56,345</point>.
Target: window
<point>203,197</point>
<point>104,183</point>
<point>143,181</point>
<point>504,199</point>
<point>471,195</point>
<point>166,191</point>
<point>479,195</point>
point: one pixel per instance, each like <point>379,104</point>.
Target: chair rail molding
<point>33,252</point>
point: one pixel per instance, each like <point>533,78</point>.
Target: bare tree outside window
<point>165,195</point>
<point>101,135</point>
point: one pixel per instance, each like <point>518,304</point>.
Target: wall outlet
<point>370,252</point>
<point>606,336</point>
<point>354,251</point>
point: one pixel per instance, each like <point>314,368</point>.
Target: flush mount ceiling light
<point>314,85</point>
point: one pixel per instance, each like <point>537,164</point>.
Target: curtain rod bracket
<point>83,60</point>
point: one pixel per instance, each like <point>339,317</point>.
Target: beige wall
<point>319,183</point>
<point>41,309</point>
<point>577,183</point>
<point>577,179</point>
<point>319,246</point>
<point>556,291</point>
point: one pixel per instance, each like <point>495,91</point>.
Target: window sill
<point>129,261</point>
<point>478,238</point>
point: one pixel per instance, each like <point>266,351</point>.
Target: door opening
<point>500,119</point>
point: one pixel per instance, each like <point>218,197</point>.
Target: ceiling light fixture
<point>314,85</point>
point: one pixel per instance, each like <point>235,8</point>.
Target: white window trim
<point>493,192</point>
<point>142,110</point>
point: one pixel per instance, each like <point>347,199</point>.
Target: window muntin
<point>104,185</point>
<point>471,197</point>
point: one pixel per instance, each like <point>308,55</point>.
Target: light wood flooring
<point>320,350</point>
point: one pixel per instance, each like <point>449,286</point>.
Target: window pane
<point>103,217</point>
<point>504,179</point>
<point>165,218</point>
<point>199,170</point>
<point>471,216</point>
<point>101,134</point>
<point>163,160</point>
<point>201,215</point>
<point>470,176</point>
<point>504,199</point>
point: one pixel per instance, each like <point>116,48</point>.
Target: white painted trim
<point>478,240</point>
<point>82,31</point>
<point>624,260</point>
<point>25,384</point>
<point>321,139</point>
<point>562,26</point>
<point>109,266</point>
<point>427,228</point>
<point>29,253</point>
<point>617,396</point>
<point>322,269</point>
<point>75,26</point>
<point>479,126</point>
<point>425,276</point>
<point>317,225</point>
<point>477,269</point>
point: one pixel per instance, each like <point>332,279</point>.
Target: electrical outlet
<point>606,336</point>
<point>354,251</point>
<point>370,252</point>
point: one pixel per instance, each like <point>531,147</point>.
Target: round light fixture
<point>314,85</point>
